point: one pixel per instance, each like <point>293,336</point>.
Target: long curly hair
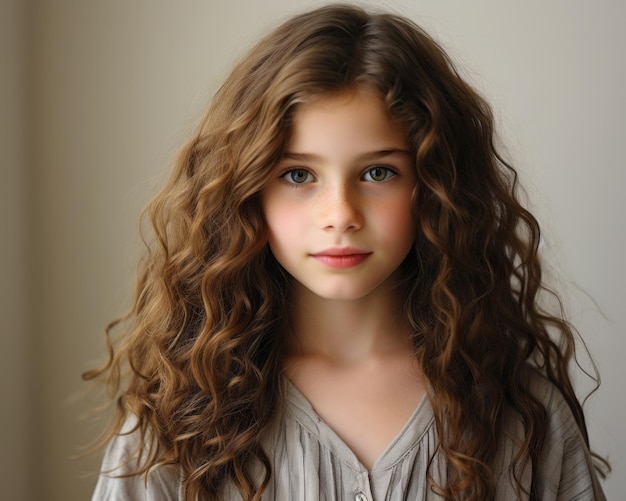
<point>199,364</point>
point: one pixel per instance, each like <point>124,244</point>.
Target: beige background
<point>96,96</point>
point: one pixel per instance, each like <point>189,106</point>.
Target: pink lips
<point>344,257</point>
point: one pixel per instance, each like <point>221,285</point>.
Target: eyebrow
<point>363,157</point>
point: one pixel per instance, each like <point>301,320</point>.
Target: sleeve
<point>566,470</point>
<point>162,484</point>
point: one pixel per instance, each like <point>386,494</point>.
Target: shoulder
<point>560,417</point>
<point>565,469</point>
<point>118,481</point>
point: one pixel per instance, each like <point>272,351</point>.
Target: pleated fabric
<point>311,463</point>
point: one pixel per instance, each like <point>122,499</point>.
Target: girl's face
<point>338,206</point>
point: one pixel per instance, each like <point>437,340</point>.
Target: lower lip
<point>341,262</point>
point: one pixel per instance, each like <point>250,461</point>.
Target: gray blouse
<point>311,463</point>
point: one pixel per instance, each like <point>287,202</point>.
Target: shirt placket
<point>363,491</point>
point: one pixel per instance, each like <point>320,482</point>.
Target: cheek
<point>397,222</point>
<point>283,220</point>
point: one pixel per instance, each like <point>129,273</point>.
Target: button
<point>360,497</point>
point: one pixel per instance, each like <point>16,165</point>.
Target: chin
<point>341,293</point>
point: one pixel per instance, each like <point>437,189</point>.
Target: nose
<point>340,209</point>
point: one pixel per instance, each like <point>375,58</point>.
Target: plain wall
<point>114,88</point>
<point>17,378</point>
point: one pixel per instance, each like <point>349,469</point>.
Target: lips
<point>341,257</point>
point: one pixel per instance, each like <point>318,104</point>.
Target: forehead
<point>354,116</point>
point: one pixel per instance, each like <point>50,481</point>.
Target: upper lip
<point>340,251</point>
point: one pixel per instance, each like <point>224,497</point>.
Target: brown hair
<point>203,346</point>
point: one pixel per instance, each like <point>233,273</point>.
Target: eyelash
<point>389,174</point>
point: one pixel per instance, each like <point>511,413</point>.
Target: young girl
<point>342,297</point>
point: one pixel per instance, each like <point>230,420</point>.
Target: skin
<point>338,211</point>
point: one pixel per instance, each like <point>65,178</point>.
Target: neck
<point>347,331</point>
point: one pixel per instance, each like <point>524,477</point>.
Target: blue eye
<point>379,173</point>
<point>297,176</point>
